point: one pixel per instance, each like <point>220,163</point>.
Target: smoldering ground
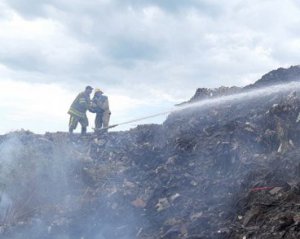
<point>34,177</point>
<point>176,180</point>
<point>44,192</point>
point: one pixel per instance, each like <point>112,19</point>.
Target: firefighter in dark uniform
<point>78,111</point>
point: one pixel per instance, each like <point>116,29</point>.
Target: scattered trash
<point>138,203</point>
<point>225,171</point>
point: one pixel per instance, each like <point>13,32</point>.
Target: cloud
<point>146,50</point>
<point>132,49</point>
<point>39,45</point>
<point>30,7</point>
<point>210,8</point>
<point>24,105</point>
<point>43,107</point>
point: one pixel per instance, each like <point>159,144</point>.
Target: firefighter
<point>78,111</point>
<point>100,106</point>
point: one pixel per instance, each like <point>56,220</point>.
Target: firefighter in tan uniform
<point>100,106</point>
<point>78,111</point>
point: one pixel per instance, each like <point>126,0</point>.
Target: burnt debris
<point>226,171</point>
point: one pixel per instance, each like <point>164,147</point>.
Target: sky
<point>146,56</point>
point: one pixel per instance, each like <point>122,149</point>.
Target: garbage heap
<point>225,171</point>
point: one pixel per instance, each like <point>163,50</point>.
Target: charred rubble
<point>226,171</point>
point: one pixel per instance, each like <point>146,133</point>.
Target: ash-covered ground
<point>227,170</point>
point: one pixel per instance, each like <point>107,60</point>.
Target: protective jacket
<point>80,105</point>
<point>100,104</point>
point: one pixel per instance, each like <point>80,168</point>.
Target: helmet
<point>88,88</point>
<point>97,90</point>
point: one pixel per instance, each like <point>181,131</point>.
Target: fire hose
<point>136,120</point>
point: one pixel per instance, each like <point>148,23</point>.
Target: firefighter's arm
<point>86,103</point>
<point>99,104</point>
<point>105,104</point>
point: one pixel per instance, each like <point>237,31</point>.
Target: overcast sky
<point>146,55</point>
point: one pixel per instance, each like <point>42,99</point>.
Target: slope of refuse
<point>230,170</point>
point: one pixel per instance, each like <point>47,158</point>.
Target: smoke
<point>51,187</point>
<point>45,191</point>
<point>221,100</point>
<point>245,96</point>
<point>34,179</point>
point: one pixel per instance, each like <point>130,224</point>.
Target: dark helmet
<point>88,88</point>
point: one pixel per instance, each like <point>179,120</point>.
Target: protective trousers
<point>102,120</point>
<point>106,117</point>
<point>99,120</point>
<point>74,122</point>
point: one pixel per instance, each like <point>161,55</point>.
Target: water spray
<point>247,95</point>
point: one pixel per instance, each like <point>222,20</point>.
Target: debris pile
<point>228,171</point>
<point>205,93</point>
<point>279,76</point>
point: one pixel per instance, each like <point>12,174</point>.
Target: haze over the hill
<point>145,55</point>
